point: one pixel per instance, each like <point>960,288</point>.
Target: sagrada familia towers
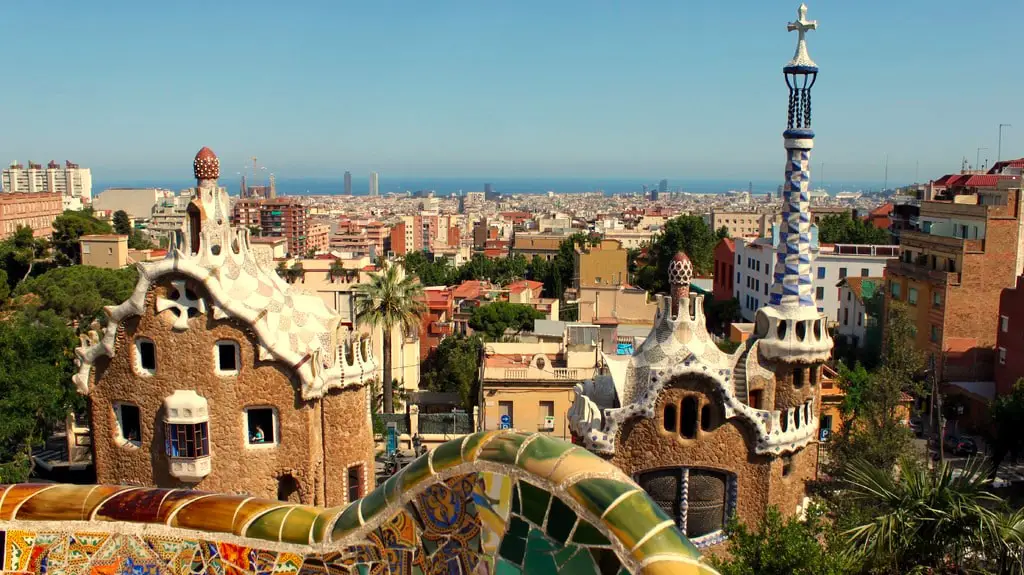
<point>709,434</point>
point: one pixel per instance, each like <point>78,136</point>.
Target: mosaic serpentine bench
<point>489,503</point>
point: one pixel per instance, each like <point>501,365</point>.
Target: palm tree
<point>926,520</point>
<point>389,301</point>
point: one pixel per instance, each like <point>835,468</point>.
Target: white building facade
<point>755,260</point>
<point>854,292</point>
<point>69,180</point>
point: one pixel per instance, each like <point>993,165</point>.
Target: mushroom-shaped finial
<point>206,165</point>
<point>680,270</point>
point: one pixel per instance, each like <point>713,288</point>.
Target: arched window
<point>697,500</point>
<point>707,417</point>
<point>798,377</point>
<point>670,417</point>
<point>688,422</point>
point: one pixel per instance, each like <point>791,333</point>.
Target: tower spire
<point>791,327</point>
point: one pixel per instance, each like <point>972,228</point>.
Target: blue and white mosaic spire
<point>793,286</point>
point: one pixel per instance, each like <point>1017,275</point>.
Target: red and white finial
<point>680,272</point>
<point>206,166</point>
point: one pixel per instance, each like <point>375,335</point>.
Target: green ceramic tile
<point>606,560</point>
<point>373,503</point>
<point>581,563</point>
<point>506,568</point>
<point>323,523</point>
<point>587,534</point>
<point>297,525</point>
<point>596,494</point>
<point>623,571</point>
<point>633,517</point>
<point>668,540</point>
<point>538,557</point>
<point>518,528</point>
<point>363,569</point>
<point>391,489</point>
<point>413,474</point>
<point>268,525</point>
<point>347,522</point>
<point>541,454</point>
<point>535,502</point>
<point>471,445</point>
<point>561,520</point>
<point>447,455</point>
<point>513,546</point>
<point>503,449</point>
<point>564,554</point>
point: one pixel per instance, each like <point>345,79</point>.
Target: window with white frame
<point>261,427</point>
<point>129,424</point>
<point>187,435</point>
<point>1004,323</point>
<point>226,357</point>
<point>145,356</point>
<point>1002,356</point>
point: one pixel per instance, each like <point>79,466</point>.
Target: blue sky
<point>590,88</point>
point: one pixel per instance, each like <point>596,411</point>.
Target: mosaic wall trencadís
<point>500,503</point>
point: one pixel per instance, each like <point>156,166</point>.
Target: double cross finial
<point>802,26</point>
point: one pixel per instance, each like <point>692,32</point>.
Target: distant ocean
<point>443,186</point>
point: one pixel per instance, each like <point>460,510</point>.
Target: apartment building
<point>275,217</point>
<point>69,180</point>
<point>742,224</point>
<point>601,265</point>
<point>108,251</point>
<point>318,238</point>
<point>34,210</point>
<point>138,203</point>
<point>755,261</point>
<point>529,244</point>
<point>953,269</point>
<point>855,297</point>
<point>725,263</point>
<point>529,386</point>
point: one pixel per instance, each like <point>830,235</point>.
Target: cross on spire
<point>802,26</point>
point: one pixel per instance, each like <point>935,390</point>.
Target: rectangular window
<point>227,357</point>
<point>145,355</point>
<point>765,288</point>
<point>860,319</point>
<point>546,415</point>
<point>842,273</point>
<point>894,289</point>
<point>864,272</point>
<point>935,333</point>
<point>261,426</point>
<point>189,440</point>
<point>819,293</point>
<point>826,422</point>
<point>912,296</point>
<point>129,423</point>
<point>756,396</point>
<point>846,316</point>
<point>787,465</point>
<point>821,273</point>
<point>355,482</point>
<point>936,299</point>
<point>505,415</point>
<point>1002,356</point>
<point>739,259</point>
<point>86,249</point>
<point>1004,323</point>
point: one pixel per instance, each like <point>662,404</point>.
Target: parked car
<point>917,426</point>
<point>960,445</point>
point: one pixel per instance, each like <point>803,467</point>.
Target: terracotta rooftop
<point>522,285</point>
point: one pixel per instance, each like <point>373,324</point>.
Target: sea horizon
<point>445,186</point>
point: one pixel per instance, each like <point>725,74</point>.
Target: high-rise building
<point>489,194</point>
<point>663,186</point>
<point>374,190</point>
<point>276,218</point>
<point>348,183</point>
<point>69,180</point>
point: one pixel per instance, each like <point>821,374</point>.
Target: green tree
<point>5,290</point>
<point>722,233</point>
<point>19,253</point>
<point>1005,416</point>
<point>455,367</point>
<point>36,394</point>
<point>939,521</point>
<point>688,234</point>
<point>68,228</point>
<point>79,293</point>
<point>845,229</point>
<point>138,241</point>
<point>781,547</point>
<point>388,301</point>
<point>122,224</point>
<point>496,318</point>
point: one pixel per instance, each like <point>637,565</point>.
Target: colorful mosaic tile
<point>541,506</point>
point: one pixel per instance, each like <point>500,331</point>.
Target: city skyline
<point>622,92</point>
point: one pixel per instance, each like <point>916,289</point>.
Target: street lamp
<point>977,158</point>
<point>999,154</point>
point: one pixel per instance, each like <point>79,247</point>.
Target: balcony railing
<point>566,374</point>
<point>921,273</point>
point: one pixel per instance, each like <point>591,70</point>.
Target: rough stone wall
<point>185,361</point>
<point>787,493</point>
<point>643,444</point>
<point>348,441</point>
<point>787,394</point>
